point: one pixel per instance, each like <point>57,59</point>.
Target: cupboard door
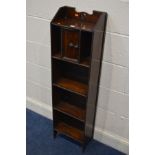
<point>70,44</point>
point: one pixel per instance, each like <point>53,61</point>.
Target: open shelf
<point>56,40</point>
<point>70,131</point>
<point>83,63</point>
<point>57,55</point>
<point>69,126</point>
<point>71,110</point>
<point>71,85</point>
<point>71,77</point>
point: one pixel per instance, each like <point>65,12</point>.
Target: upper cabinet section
<point>73,34</point>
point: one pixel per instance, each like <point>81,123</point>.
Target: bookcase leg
<point>85,145</point>
<point>54,134</point>
<point>83,148</point>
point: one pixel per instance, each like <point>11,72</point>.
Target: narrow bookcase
<point>77,40</point>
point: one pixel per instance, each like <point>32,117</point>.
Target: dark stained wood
<point>84,63</point>
<point>73,23</point>
<point>57,55</point>
<point>69,70</point>
<point>97,45</point>
<point>70,131</point>
<point>77,40</point>
<point>72,85</point>
<point>56,40</point>
<point>70,44</point>
<point>71,110</point>
<point>77,20</point>
<point>85,47</point>
<point>62,117</point>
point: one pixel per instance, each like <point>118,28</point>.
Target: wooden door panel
<point>70,44</point>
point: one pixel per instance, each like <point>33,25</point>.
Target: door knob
<point>72,45</point>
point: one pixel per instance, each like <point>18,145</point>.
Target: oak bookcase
<point>77,40</point>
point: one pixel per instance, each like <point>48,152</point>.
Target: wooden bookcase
<point>77,40</point>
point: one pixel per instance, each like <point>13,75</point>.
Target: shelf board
<point>57,55</point>
<point>70,131</point>
<point>71,110</point>
<point>84,62</point>
<point>73,86</point>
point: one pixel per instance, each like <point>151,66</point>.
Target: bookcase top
<point>69,17</point>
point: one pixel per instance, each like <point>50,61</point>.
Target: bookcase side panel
<point>93,82</point>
